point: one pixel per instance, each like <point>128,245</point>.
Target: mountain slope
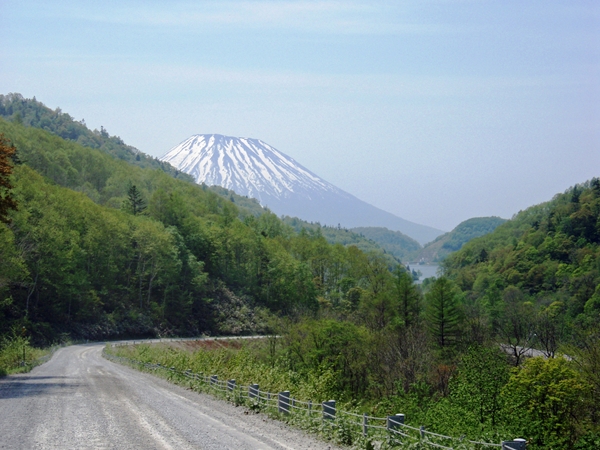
<point>32,113</point>
<point>452,241</point>
<point>253,168</point>
<point>548,255</point>
<point>394,242</point>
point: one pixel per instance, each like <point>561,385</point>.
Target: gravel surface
<point>79,400</point>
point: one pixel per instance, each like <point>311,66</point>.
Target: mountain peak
<point>245,165</point>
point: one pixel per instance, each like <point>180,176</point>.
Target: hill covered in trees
<point>452,241</point>
<point>84,261</point>
<point>30,112</point>
<point>400,245</point>
<point>546,258</point>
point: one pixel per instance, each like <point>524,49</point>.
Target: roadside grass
<point>242,361</point>
<point>18,356</point>
<point>253,361</point>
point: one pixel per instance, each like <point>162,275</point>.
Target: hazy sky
<point>436,111</point>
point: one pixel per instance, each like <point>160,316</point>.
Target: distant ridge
<point>254,168</point>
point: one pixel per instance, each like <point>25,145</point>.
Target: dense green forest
<point>99,247</point>
<point>344,236</point>
<point>452,241</point>
<point>399,245</point>
<point>544,263</point>
<point>81,259</point>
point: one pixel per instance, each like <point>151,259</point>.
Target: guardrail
<point>391,428</point>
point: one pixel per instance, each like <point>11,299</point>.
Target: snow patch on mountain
<point>247,166</point>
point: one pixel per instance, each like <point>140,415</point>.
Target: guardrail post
<point>214,379</point>
<point>515,444</point>
<point>253,391</point>
<point>231,385</point>
<point>365,425</point>
<point>422,431</point>
<point>309,408</point>
<point>329,410</point>
<point>283,403</point>
<point>393,422</point>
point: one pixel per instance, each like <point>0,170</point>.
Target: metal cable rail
<point>391,426</point>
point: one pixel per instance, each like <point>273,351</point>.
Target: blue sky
<point>437,111</point>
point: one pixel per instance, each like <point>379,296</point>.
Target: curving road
<point>79,400</point>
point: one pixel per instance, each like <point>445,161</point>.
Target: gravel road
<point>79,400</point>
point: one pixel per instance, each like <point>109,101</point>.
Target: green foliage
<point>136,204</point>
<point>409,298</point>
<point>7,154</point>
<point>477,389</point>
<point>16,354</point>
<point>328,345</point>
<point>399,245</point>
<point>248,206</point>
<point>450,242</point>
<point>31,113</point>
<point>550,253</point>
<point>79,257</point>
<point>345,237</point>
<point>443,313</point>
<point>547,402</point>
<point>193,261</point>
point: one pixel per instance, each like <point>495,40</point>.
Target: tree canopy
<point>7,154</point>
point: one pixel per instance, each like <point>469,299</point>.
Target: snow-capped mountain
<point>246,166</point>
<point>252,167</point>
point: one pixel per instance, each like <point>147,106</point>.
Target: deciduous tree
<point>7,202</point>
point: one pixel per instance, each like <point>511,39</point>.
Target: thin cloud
<point>186,77</point>
<point>308,16</point>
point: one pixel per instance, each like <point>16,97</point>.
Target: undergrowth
<point>17,355</point>
<point>245,366</point>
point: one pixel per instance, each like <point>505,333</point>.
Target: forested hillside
<point>101,248</point>
<point>546,258</point>
<point>344,236</point>
<point>408,250</point>
<point>401,246</point>
<point>30,112</point>
<point>452,241</point>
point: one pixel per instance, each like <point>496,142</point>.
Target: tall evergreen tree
<point>443,312</point>
<point>137,204</point>
<point>408,296</point>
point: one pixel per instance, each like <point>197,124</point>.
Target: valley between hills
<point>100,241</point>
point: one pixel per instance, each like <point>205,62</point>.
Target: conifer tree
<point>443,312</point>
<point>408,297</point>
<point>137,205</point>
